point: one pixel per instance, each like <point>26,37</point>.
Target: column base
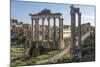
<point>76,55</point>
<point>61,45</point>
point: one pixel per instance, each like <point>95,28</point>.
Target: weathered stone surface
<point>47,42</point>
<point>75,49</point>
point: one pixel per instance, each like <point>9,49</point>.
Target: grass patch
<point>46,55</point>
<point>34,60</point>
<point>67,58</point>
<point>17,51</point>
<point>87,58</point>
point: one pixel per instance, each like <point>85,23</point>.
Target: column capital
<point>61,19</point>
<point>37,19</point>
<point>72,11</point>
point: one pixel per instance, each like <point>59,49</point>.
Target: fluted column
<point>79,29</point>
<point>79,33</point>
<point>35,30</point>
<point>60,28</point>
<point>43,31</point>
<point>73,34</point>
<point>73,28</point>
<point>54,29</point>
<point>37,34</point>
<point>48,29</point>
<point>61,44</point>
<point>32,30</point>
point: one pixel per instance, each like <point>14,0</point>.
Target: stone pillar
<point>35,30</point>
<point>32,30</point>
<point>54,34</point>
<point>43,31</point>
<point>79,29</point>
<point>73,33</point>
<point>61,28</point>
<point>61,44</point>
<point>36,50</point>
<point>79,33</point>
<point>48,29</point>
<point>37,36</point>
<point>73,29</point>
<point>54,29</point>
<point>75,49</point>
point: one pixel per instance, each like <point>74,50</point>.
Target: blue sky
<point>20,10</point>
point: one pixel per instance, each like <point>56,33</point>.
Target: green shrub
<point>32,48</point>
<point>88,58</point>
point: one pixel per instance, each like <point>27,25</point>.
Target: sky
<point>20,10</point>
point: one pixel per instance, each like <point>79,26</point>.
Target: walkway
<point>62,53</point>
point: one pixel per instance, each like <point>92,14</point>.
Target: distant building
<point>67,31</point>
<point>16,27</point>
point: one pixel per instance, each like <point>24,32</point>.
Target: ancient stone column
<point>73,33</point>
<point>79,33</point>
<point>35,30</point>
<point>43,31</point>
<point>48,29</point>
<point>32,30</point>
<point>36,51</point>
<point>61,42</point>
<point>61,28</point>
<point>73,29</point>
<point>79,29</point>
<point>54,29</point>
<point>75,49</point>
